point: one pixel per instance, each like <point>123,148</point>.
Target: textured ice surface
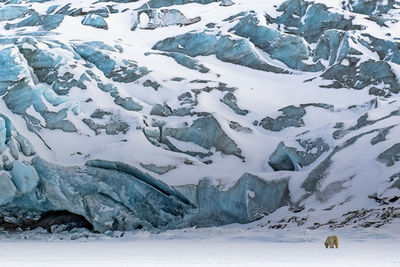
<point>239,51</point>
<point>289,158</point>
<point>116,196</point>
<point>153,18</point>
<point>239,109</point>
<point>12,12</point>
<point>95,21</point>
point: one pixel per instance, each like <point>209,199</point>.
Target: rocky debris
<point>284,222</point>
<point>363,218</point>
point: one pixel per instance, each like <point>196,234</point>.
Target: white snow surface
<point>231,245</point>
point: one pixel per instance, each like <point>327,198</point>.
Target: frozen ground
<point>233,245</point>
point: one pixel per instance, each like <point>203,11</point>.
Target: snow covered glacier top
<point>298,98</point>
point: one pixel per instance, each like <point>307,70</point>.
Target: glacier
<point>126,115</point>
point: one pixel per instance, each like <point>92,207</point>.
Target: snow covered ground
<point>232,245</point>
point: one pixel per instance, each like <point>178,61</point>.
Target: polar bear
<point>331,241</point>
